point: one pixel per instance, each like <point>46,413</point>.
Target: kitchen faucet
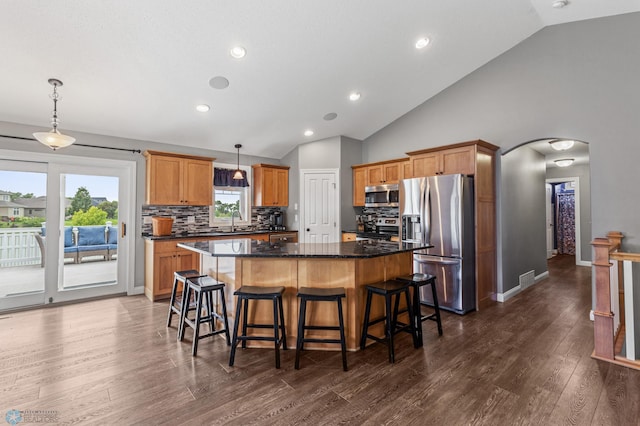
<point>233,226</point>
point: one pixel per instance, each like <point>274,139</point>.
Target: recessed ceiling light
<point>354,96</point>
<point>422,43</point>
<point>219,82</point>
<point>561,144</point>
<point>308,132</point>
<point>565,162</point>
<point>238,52</point>
<point>330,116</point>
<point>559,4</point>
<point>202,108</point>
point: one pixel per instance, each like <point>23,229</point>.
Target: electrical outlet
<point>147,220</point>
<point>191,219</point>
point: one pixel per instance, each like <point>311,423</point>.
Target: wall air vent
<point>527,279</point>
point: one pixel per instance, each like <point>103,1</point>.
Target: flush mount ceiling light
<point>354,96</point>
<point>308,132</point>
<point>559,4</point>
<point>238,173</point>
<point>422,43</point>
<point>53,138</point>
<point>238,52</point>
<point>330,116</point>
<point>202,108</point>
<point>565,162</point>
<point>561,144</point>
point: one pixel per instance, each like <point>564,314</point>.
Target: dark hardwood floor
<point>526,361</point>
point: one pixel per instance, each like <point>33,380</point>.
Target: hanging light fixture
<point>565,162</point>
<point>53,138</point>
<point>561,144</point>
<point>238,174</point>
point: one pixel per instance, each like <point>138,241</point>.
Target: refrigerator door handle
<point>426,213</point>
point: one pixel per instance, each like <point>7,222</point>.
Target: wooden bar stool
<point>246,293</point>
<point>334,294</point>
<point>203,289</point>
<point>175,303</point>
<point>388,289</point>
<point>417,281</point>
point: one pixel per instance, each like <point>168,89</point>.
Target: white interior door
<point>319,200</point>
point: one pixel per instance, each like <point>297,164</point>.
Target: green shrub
<point>93,216</point>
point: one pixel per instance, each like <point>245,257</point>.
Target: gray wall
<point>350,154</point>
<point>577,80</point>
<point>26,146</point>
<point>583,174</point>
<point>522,206</point>
<point>291,160</point>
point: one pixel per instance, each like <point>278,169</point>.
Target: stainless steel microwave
<point>381,195</point>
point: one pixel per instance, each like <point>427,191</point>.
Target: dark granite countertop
<point>245,247</point>
<point>183,235</point>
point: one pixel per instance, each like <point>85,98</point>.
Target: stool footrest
<point>321,327</point>
<point>263,326</point>
<point>312,340</point>
<point>261,338</point>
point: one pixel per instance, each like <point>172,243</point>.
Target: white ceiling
<point>137,69</point>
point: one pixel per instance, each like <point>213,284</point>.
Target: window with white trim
<point>228,200</point>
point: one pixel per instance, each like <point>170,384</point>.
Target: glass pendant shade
<point>53,138</point>
<point>238,173</point>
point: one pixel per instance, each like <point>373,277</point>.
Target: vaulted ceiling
<point>138,69</point>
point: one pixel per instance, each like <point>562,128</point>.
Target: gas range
<point>385,228</point>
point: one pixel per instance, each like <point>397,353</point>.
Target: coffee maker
<point>276,222</point>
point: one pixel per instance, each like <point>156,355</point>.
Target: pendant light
<point>238,174</point>
<point>53,138</point>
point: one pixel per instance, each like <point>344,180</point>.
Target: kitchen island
<point>351,265</point>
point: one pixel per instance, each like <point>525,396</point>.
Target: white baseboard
<point>583,263</point>
<point>591,314</point>
<point>503,297</point>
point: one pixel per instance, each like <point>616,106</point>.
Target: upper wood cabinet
<point>443,161</point>
<point>359,182</point>
<point>270,185</point>
<point>177,180</point>
<point>381,173</point>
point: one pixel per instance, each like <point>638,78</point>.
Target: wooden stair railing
<point>613,315</point>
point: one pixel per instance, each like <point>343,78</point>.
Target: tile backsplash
<point>259,218</point>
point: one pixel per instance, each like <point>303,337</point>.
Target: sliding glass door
<point>66,238</point>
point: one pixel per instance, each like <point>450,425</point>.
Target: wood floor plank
<point>522,362</point>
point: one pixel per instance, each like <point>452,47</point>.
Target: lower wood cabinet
<point>348,236</point>
<point>164,257</point>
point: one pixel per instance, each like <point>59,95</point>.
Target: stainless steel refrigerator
<point>438,210</point>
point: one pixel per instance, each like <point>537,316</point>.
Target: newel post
<point>603,333</point>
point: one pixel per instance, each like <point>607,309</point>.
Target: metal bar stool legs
<point>320,295</point>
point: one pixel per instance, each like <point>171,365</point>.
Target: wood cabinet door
<point>458,160</point>
<point>282,187</point>
<point>407,170</point>
<point>375,175</point>
<point>197,182</point>
<point>348,236</point>
<point>269,186</point>
<point>392,172</point>
<point>425,164</point>
<point>187,259</point>
<point>164,265</point>
<point>164,183</point>
<point>359,179</point>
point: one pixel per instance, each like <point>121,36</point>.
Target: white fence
<point>18,247</point>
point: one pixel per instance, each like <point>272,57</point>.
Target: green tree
<point>80,201</point>
<point>111,207</point>
<point>93,216</point>
<point>14,195</point>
